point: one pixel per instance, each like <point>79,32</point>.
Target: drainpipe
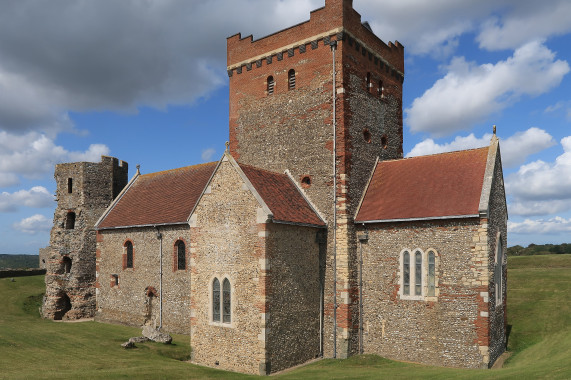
<point>333,45</point>
<point>160,237</point>
<point>363,238</point>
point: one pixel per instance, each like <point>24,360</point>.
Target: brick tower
<point>84,191</point>
<point>281,117</point>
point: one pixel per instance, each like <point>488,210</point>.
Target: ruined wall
<point>135,300</point>
<point>84,190</point>
<point>294,296</point>
<point>227,241</point>
<point>442,330</point>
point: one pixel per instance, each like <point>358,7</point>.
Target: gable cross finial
<point>494,130</point>
<point>227,145</point>
<point>138,169</point>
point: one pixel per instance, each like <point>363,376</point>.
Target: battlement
<point>325,24</point>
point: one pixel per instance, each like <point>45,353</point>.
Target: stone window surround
<point>124,256</point>
<point>175,255</point>
<point>221,279</point>
<point>424,274</point>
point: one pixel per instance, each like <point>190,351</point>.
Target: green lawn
<point>538,311</point>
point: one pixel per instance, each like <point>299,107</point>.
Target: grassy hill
<point>539,312</point>
<point>19,261</point>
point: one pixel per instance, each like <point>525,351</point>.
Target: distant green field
<point>19,261</point>
<point>539,313</point>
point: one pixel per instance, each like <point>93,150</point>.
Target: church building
<point>312,236</point>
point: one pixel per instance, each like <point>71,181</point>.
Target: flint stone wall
<point>136,300</point>
<point>442,332</point>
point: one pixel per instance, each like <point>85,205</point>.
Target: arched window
<point>291,79</point>
<point>498,272</point>
<point>418,277</point>
<point>431,274</point>
<point>226,302</point>
<point>216,300</point>
<point>70,220</point>
<point>381,89</point>
<point>128,254</point>
<point>406,273</point>
<point>270,85</point>
<point>180,255</point>
<point>417,273</point>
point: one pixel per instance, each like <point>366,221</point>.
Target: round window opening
<point>367,136</point>
<point>306,181</point>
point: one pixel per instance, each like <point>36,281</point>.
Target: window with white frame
<point>418,280</point>
<point>221,301</point>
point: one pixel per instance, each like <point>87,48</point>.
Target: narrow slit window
<point>271,84</point>
<point>226,302</point>
<point>69,185</point>
<point>431,274</point>
<point>216,300</point>
<point>417,273</point>
<point>499,273</point>
<point>406,273</point>
<point>291,79</point>
<point>381,90</point>
<point>181,255</point>
<point>368,82</point>
<point>129,249</point>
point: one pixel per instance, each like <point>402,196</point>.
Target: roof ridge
<point>437,154</point>
<point>177,169</point>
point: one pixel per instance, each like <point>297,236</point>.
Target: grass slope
<point>538,307</point>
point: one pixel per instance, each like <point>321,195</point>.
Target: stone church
<point>311,237</point>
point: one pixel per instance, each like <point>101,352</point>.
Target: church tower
<point>84,191</point>
<point>288,92</point>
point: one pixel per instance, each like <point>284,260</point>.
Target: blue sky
<point>145,81</point>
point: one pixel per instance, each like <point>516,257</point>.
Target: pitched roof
<point>166,197</point>
<point>282,197</point>
<point>425,187</point>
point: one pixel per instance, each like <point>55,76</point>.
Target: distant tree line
<point>19,261</point>
<point>539,249</point>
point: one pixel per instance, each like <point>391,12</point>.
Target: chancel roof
<point>281,196</point>
<point>436,186</point>
<point>166,197</point>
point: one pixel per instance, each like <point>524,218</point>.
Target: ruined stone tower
<point>84,191</point>
<point>281,118</point>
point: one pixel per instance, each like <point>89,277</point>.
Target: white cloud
<point>515,149</point>
<point>469,93</point>
<point>540,188</point>
<point>540,226</point>
<point>428,146</point>
<point>532,19</point>
<point>37,196</point>
<point>32,155</point>
<point>207,154</point>
<point>33,224</point>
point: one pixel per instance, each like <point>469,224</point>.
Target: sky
<point>145,81</point>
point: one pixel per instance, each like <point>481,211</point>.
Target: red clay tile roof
<point>440,185</point>
<point>165,197</point>
<point>281,196</point>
